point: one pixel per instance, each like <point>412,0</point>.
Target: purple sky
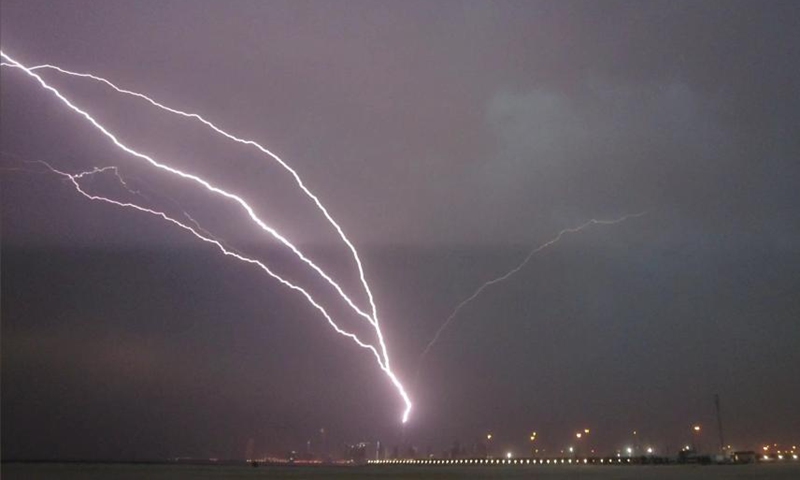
<point>447,138</point>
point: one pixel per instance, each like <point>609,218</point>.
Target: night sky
<point>448,139</point>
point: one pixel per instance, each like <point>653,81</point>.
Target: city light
<point>508,454</point>
<point>696,428</point>
<point>578,435</point>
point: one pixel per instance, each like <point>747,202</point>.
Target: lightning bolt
<point>374,317</point>
<point>242,203</point>
<point>382,360</point>
<point>124,183</point>
<point>510,273</point>
<point>197,232</point>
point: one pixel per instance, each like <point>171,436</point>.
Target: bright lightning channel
<point>374,317</point>
<point>382,362</point>
<point>219,191</point>
<point>511,272</point>
<point>139,193</point>
<point>197,232</point>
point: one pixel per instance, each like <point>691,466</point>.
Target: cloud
<point>606,149</point>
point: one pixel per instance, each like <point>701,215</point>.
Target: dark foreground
<point>12,471</point>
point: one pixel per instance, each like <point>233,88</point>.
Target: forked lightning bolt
<point>197,232</point>
<point>243,204</point>
<point>374,318</point>
<point>511,272</point>
<point>383,360</point>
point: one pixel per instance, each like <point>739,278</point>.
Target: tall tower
<point>719,423</point>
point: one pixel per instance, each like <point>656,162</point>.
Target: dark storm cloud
<point>415,94</point>
<point>447,138</point>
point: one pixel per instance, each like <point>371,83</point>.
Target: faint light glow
<point>514,270</point>
<point>696,428</point>
<point>578,435</point>
<point>508,454</point>
<point>571,449</point>
<point>649,450</point>
<point>629,450</point>
<point>586,431</point>
<point>489,437</point>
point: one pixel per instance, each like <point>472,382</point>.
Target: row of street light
<point>581,435</point>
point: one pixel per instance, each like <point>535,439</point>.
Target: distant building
<point>248,450</point>
<point>380,451</point>
<point>745,457</point>
<point>356,453</point>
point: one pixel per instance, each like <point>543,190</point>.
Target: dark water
<point>180,472</point>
